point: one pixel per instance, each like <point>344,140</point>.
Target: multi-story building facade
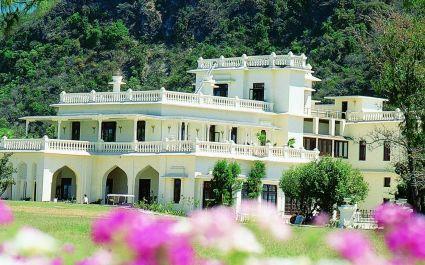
<point>163,145</point>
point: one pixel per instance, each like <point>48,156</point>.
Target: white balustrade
<point>273,60</point>
<point>164,96</point>
<point>154,147</point>
<point>375,116</point>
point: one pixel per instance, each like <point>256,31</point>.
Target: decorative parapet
<point>272,60</point>
<point>164,96</point>
<point>156,147</point>
<point>355,116</point>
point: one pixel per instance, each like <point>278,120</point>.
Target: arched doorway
<point>64,185</point>
<point>147,185</point>
<point>116,182</point>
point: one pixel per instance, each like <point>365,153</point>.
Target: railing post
<point>302,152</point>
<point>129,95</point>
<point>244,59</point>
<point>232,147</point>
<point>163,95</point>
<point>92,95</point>
<point>237,102</point>
<point>45,144</point>
<point>221,61</point>
<point>196,147</point>
<point>201,97</point>
<point>316,156</point>
<point>269,149</point>
<point>285,151</point>
<point>134,146</point>
<point>304,59</point>
<point>272,59</point>
<point>62,96</point>
<point>99,146</point>
<point>3,142</point>
<point>200,62</point>
<point>291,59</point>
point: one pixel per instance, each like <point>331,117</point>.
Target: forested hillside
<point>75,45</point>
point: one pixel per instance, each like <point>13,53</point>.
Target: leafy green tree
<point>323,183</point>
<point>225,182</point>
<point>397,50</point>
<point>253,184</point>
<point>6,173</point>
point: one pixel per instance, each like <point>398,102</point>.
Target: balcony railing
<point>375,116</point>
<point>355,116</point>
<point>164,96</point>
<point>156,147</point>
<point>272,60</point>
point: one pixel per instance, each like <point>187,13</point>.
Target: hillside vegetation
<point>75,45</point>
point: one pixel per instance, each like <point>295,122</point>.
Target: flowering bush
<point>130,237</point>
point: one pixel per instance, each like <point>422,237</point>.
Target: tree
<point>323,184</point>
<point>253,184</point>
<point>11,12</point>
<point>6,173</point>
<point>396,49</point>
<point>225,183</point>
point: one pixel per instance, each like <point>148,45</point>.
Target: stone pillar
<point>316,125</point>
<point>332,127</point>
<point>27,123</point>
<point>45,186</point>
<point>135,130</point>
<point>59,129</point>
<point>99,130</point>
<point>208,132</point>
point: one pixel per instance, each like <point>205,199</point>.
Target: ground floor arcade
<point>179,179</point>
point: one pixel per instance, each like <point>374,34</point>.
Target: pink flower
<point>100,257</point>
<point>68,248</point>
<point>114,224</point>
<point>389,214</point>
<point>322,219</point>
<point>354,247</point>
<point>267,218</point>
<point>6,216</point>
<point>408,238</point>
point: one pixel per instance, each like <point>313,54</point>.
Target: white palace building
<point>163,145</point>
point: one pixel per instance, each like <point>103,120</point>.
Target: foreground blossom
<point>6,216</point>
<point>267,218</point>
<point>389,214</point>
<point>355,247</point>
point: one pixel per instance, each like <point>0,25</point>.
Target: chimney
<point>117,82</point>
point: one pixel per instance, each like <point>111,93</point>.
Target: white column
<point>332,127</point>
<point>46,186</point>
<point>99,130</point>
<point>208,132</point>
<point>27,123</point>
<point>316,125</point>
<point>250,133</point>
<point>135,130</point>
<point>59,129</point>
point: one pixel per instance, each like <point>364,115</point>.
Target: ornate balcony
<point>272,60</point>
<point>355,116</point>
<point>228,149</point>
<point>164,96</point>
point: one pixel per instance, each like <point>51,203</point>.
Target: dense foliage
<point>6,173</point>
<point>253,184</point>
<point>323,184</point>
<point>225,183</point>
<point>75,45</point>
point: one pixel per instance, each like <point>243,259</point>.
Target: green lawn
<point>71,223</point>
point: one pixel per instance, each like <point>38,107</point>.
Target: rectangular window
<point>75,131</point>
<point>344,108</point>
<point>177,190</point>
<point>109,131</point>
<point>387,182</point>
<point>214,136</point>
<point>222,90</point>
<point>362,150</point>
<point>341,149</point>
<point>141,131</point>
<point>270,193</point>
<point>309,143</point>
<point>257,91</point>
<point>325,147</point>
<point>387,151</point>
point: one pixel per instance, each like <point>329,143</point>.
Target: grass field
<point>71,223</point>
